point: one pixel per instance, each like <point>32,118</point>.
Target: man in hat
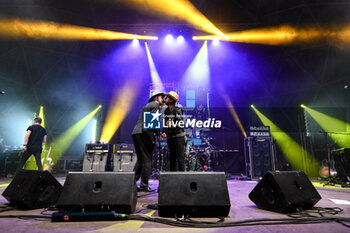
<point>174,132</point>
<point>144,142</point>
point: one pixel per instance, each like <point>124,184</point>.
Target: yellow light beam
<point>156,81</point>
<point>286,34</point>
<point>280,35</point>
<point>44,30</point>
<point>120,106</point>
<point>233,113</point>
<point>41,115</point>
<point>176,9</point>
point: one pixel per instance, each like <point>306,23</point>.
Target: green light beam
<point>338,130</point>
<point>61,144</point>
<point>299,158</point>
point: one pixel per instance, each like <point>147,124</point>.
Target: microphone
<point>2,92</point>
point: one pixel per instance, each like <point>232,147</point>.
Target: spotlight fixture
<point>169,38</point>
<point>180,39</point>
<point>302,105</point>
<point>252,106</point>
<point>135,42</point>
<point>216,41</point>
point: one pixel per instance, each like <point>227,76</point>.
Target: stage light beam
<point>176,9</point>
<point>41,115</point>
<point>298,157</point>
<point>198,72</point>
<point>44,30</point>
<point>94,129</point>
<point>286,34</point>
<point>62,143</point>
<point>337,129</point>
<point>120,106</point>
<point>156,81</point>
<point>233,113</point>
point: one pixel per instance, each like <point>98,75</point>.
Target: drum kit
<point>198,155</point>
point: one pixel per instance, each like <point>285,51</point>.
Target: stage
<point>233,86</point>
<point>241,209</point>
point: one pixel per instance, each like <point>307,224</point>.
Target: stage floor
<point>241,209</point>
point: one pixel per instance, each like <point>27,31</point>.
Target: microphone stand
<point>330,178</point>
<point>159,157</point>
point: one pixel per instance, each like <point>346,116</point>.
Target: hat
<point>173,95</point>
<point>154,94</point>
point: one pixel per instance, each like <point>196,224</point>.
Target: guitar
<point>47,160</point>
<point>327,169</point>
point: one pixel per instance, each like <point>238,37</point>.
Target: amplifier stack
<point>124,158</point>
<point>109,157</point>
<point>98,157</point>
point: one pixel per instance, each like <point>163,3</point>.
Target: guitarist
<point>36,135</point>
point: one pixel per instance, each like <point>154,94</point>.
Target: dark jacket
<point>175,115</point>
<point>150,107</point>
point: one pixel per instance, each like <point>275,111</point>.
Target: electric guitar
<point>327,169</point>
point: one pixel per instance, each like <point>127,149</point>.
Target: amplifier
<point>341,159</point>
<point>9,162</point>
<point>97,162</point>
<point>99,148</point>
<point>124,148</point>
<point>259,131</point>
<point>259,155</point>
<point>124,158</point>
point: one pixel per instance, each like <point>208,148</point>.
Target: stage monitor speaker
<point>285,192</point>
<point>195,194</point>
<point>32,189</point>
<point>99,192</point>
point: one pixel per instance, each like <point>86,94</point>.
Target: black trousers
<point>144,146</point>
<point>25,156</point>
<point>176,147</point>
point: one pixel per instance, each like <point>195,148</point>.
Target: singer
<point>175,134</point>
<point>144,142</point>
